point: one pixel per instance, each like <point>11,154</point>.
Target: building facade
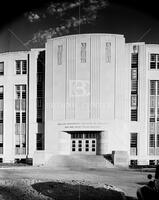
<point>87,94</point>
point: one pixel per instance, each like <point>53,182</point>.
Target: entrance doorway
<point>84,142</point>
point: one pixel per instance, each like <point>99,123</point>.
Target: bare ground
<point>28,183</point>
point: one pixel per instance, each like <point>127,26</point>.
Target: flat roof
<point>87,34</point>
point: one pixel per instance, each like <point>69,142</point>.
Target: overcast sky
<point>137,22</point>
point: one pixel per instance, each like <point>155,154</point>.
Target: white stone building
<point>87,94</point>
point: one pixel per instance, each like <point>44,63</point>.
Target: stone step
<point>79,161</point>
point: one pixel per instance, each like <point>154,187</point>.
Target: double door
<point>83,143</point>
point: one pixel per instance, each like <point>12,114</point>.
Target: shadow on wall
<point>75,191</point>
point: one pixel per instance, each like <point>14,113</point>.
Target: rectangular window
<point>134,86</point>
<point>157,127</point>
<point>17,89</point>
<point>17,117</point>
<point>157,87</point>
<point>157,140</point>
<point>23,104</point>
<point>1,104</point>
<point>152,127</point>
<point>83,52</point>
<point>152,101</point>
<point>59,54</point>
<point>133,143</point>
<point>17,104</point>
<point>17,140</point>
<point>20,120</point>
<point>152,119</point>
<point>152,112</point>
<point>1,138</point>
<point>134,115</point>
<point>154,61</point>
<point>1,68</point>
<point>108,52</point>
<point>18,67</point>
<point>152,87</point>
<point>133,163</point>
<point>134,60</point>
<point>39,103</point>
<point>134,74</point>
<point>133,140</point>
<point>1,116</point>
<point>40,141</point>
<point>23,94</point>
<point>152,140</point>
<point>39,115</point>
<point>17,128</point>
<point>152,162</point>
<point>23,117</point>
<point>21,67</point>
<point>1,128</point>
<point>134,101</point>
<point>24,67</point>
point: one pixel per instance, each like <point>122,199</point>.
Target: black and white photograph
<point>79,100</point>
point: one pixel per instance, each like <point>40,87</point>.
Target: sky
<point>31,24</point>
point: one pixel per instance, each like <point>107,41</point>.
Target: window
<point>134,86</point>
<point>23,128</point>
<point>134,60</point>
<point>20,97</point>
<point>23,117</point>
<point>151,162</point>
<point>133,115</point>
<point>157,140</point>
<point>154,116</point>
<point>23,104</point>
<point>83,52</point>
<point>17,89</point>
<point>108,52</point>
<point>39,141</point>
<point>157,127</point>
<point>77,135</point>
<point>1,128</point>
<point>21,67</point>
<point>39,103</point>
<point>17,104</point>
<point>1,68</point>
<point>24,67</point>
<point>17,117</point>
<point>133,163</point>
<point>152,87</point>
<point>18,67</point>
<point>39,115</point>
<point>20,120</point>
<point>152,127</point>
<point>133,144</point>
<point>41,85</point>
<point>134,101</point>
<point>152,140</point>
<point>152,101</point>
<point>59,54</point>
<point>154,61</point>
<point>17,128</point>
<point>134,74</point>
<point>152,112</point>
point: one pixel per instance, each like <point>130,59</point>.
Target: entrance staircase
<point>79,162</point>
